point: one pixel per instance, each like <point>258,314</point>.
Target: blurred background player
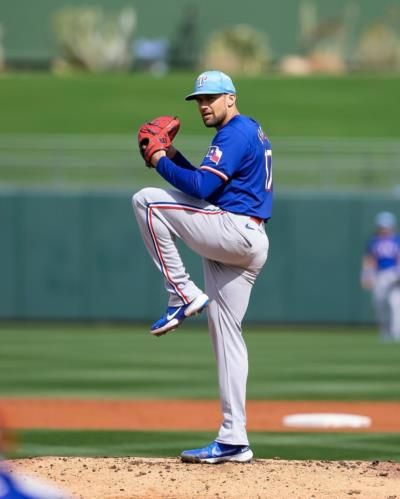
<point>381,274</point>
<point>17,485</point>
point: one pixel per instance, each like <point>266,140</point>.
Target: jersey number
<point>268,169</point>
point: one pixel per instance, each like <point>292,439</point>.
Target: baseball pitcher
<point>219,210</point>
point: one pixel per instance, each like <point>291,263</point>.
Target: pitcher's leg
<point>229,291</point>
<point>160,243</point>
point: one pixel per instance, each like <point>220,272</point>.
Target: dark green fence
<point>79,255</point>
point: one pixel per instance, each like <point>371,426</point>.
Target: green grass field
<point>111,361</point>
<point>81,129</point>
<point>332,446</point>
<point>351,106</point>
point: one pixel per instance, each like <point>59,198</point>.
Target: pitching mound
<point>123,478</point>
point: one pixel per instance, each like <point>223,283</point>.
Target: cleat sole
<point>244,458</point>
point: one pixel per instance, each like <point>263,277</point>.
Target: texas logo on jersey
<point>214,154</point>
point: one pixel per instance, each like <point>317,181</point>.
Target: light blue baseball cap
<point>212,82</point>
<point>386,220</point>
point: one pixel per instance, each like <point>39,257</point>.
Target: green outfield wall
<point>29,34</point>
<point>79,256</point>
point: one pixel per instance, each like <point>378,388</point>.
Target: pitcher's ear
<point>231,99</point>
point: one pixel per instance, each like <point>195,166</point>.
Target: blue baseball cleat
<point>218,453</point>
<point>174,316</point>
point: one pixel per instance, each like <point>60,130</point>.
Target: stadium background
<point>70,249</point>
<point>30,36</point>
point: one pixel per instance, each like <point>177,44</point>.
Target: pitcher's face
<point>216,109</point>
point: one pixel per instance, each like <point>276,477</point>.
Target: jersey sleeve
<point>398,251</point>
<point>224,156</point>
<point>180,160</point>
<point>196,183</point>
<point>369,247</point>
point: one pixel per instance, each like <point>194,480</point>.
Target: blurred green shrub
<point>238,49</point>
<point>93,39</point>
<point>185,47</point>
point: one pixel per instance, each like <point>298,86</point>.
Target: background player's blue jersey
<point>385,250</point>
<point>241,156</point>
<point>10,490</point>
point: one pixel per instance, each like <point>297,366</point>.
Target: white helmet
<point>385,220</point>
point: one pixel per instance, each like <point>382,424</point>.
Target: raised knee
<point>146,196</point>
<point>137,198</point>
<point>141,198</point>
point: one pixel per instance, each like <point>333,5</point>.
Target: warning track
<point>182,414</point>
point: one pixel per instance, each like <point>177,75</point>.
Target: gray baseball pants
<point>386,301</point>
<point>234,249</point>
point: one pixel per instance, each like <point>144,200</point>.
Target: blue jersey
<point>241,156</point>
<point>236,173</point>
<point>385,250</point>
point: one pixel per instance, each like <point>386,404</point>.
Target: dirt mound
<point>133,478</point>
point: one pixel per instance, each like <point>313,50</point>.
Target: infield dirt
<point>134,478</point>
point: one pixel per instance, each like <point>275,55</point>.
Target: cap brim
<point>191,96</point>
<point>204,92</point>
<point>195,94</point>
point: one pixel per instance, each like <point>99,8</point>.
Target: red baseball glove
<point>157,135</point>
